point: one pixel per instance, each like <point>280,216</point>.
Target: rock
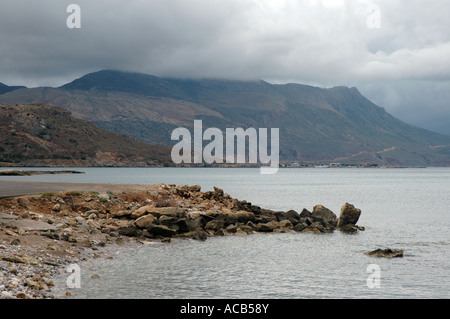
<point>232,217</point>
<point>349,228</point>
<point>160,230</point>
<point>15,242</point>
<point>292,216</point>
<point>144,221</point>
<point>324,215</point>
<point>199,235</point>
<point>167,220</point>
<point>32,284</point>
<point>266,217</point>
<point>121,213</point>
<point>240,232</point>
<point>251,225</point>
<point>305,213</point>
<point>103,197</point>
<point>93,224</point>
<point>22,295</point>
<point>80,220</point>
<point>10,232</point>
<point>93,216</point>
<point>90,212</point>
<point>141,211</point>
<point>232,228</point>
<point>311,229</point>
<point>157,211</point>
<point>247,228</point>
<point>267,227</point>
<point>218,191</point>
<point>215,225</point>
<point>21,260</point>
<point>286,223</point>
<point>130,231</point>
<point>220,232</point>
<point>188,224</point>
<point>387,253</point>
<point>318,225</point>
<point>300,226</point>
<point>349,215</point>
<point>28,224</point>
<point>57,207</point>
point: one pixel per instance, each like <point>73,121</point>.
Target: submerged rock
<point>387,253</point>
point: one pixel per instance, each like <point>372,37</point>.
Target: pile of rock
<point>169,211</point>
<point>213,213</point>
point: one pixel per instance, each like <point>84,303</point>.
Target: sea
<point>401,208</point>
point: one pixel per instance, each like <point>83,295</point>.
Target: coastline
<point>66,223</point>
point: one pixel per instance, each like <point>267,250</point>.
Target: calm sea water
<point>405,209</point>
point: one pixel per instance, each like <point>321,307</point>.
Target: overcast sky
<point>396,52</point>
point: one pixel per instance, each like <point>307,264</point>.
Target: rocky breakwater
<point>40,234</point>
<point>191,213</point>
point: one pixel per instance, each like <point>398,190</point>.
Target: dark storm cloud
<point>400,61</point>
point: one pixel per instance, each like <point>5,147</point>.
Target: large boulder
<point>324,215</point>
<point>349,215</point>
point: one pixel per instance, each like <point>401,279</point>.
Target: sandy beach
<point>21,188</point>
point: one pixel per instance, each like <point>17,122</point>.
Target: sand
<point>22,188</point>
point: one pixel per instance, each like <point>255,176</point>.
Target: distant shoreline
<point>16,168</point>
<point>23,188</point>
<point>14,172</point>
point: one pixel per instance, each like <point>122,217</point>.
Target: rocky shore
<point>40,234</point>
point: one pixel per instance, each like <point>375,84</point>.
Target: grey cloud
<point>319,42</point>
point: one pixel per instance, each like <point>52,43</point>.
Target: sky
<point>396,52</point>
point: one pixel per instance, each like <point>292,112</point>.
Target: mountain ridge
<point>42,135</point>
<point>5,88</point>
<point>316,124</point>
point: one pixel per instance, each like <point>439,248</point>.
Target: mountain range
<point>317,125</point>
